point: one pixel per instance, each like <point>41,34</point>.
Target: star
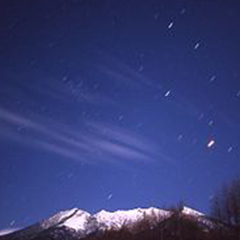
<point>210,123</point>
<point>212,79</point>
<point>170,25</point>
<point>238,93</point>
<point>196,46</point>
<point>211,143</point>
<point>230,149</point>
<point>167,93</point>
<point>110,196</point>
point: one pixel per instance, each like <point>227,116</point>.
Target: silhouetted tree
<point>225,205</point>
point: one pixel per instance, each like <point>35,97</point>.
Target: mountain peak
<point>77,221</point>
<point>62,217</point>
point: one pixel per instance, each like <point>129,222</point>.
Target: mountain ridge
<point>78,220</point>
<point>77,224</point>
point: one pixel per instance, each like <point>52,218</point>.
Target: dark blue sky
<point>116,104</point>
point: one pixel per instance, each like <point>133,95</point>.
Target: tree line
<point>225,205</point>
<point>224,222</point>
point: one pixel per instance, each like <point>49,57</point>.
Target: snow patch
<point>121,217</point>
<point>192,212</point>
<point>7,231</point>
<point>78,221</point>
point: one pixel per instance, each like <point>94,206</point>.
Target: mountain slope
<point>78,224</point>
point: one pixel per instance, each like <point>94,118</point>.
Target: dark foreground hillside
<point>177,227</point>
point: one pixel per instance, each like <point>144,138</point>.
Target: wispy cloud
<point>69,91</point>
<point>123,73</point>
<point>13,118</point>
<point>127,142</point>
<point>123,136</point>
<point>185,106</point>
<point>121,151</point>
<point>93,142</point>
<point>118,76</point>
<point>67,152</point>
<point>44,134</point>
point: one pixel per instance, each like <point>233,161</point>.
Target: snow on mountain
<point>58,218</point>
<point>201,218</point>
<point>192,212</point>
<point>7,231</point>
<point>79,220</point>
<point>119,218</point>
<point>80,223</point>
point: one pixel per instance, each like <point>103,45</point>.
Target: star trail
<point>116,104</point>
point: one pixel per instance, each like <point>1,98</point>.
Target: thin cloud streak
<point>65,92</point>
<point>118,77</point>
<point>12,118</point>
<point>123,136</point>
<point>64,152</point>
<point>119,135</point>
<point>88,145</point>
<point>120,151</point>
<point>121,71</point>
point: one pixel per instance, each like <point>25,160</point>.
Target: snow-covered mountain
<point>78,223</point>
<point>75,219</point>
<point>119,218</point>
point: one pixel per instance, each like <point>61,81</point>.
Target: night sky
<point>116,104</point>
